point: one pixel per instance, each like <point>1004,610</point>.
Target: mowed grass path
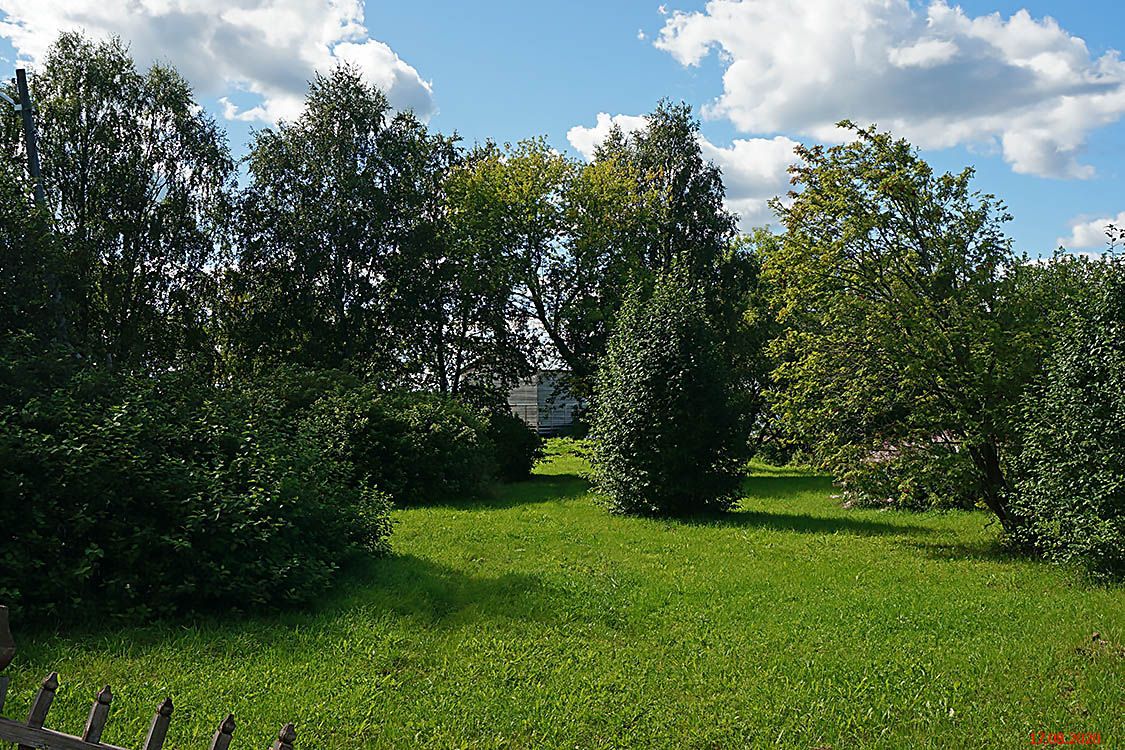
<point>535,619</point>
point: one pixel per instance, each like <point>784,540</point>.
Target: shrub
<point>921,477</point>
<point>516,447</point>
<point>1070,494</point>
<point>664,431</point>
<point>415,446</point>
<point>151,496</point>
<point>296,387</point>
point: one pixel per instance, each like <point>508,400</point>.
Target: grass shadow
<point>786,486</point>
<point>982,551</point>
<point>540,488</point>
<point>434,594</point>
<point>438,594</point>
<point>805,524</point>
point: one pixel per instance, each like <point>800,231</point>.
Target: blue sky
<point>1036,105</point>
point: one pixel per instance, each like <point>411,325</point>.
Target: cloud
<point>1090,234</point>
<point>585,140</point>
<point>936,76</point>
<point>268,49</point>
<point>923,54</point>
<point>754,169</point>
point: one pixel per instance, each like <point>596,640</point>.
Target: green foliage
<point>140,497</point>
<point>930,475</point>
<point>315,231</point>
<point>415,446</point>
<point>30,263</point>
<point>516,446</point>
<point>137,179</point>
<point>685,223</point>
<point>1071,487</point>
<point>906,323</point>
<point>664,428</point>
<point>579,235</point>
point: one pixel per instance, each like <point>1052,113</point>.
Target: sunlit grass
<point>533,618</point>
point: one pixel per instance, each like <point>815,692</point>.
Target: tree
<point>906,329</point>
<point>665,433</point>
<point>317,230</point>
<point>686,223</point>
<point>470,336</point>
<point>583,234</point>
<point>1070,466</point>
<point>30,264</point>
<point>137,182</point>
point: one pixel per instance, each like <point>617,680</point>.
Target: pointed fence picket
<point>33,735</point>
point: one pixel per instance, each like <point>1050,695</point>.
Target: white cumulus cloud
<point>937,76</point>
<point>1090,234</point>
<point>266,48</point>
<point>585,140</point>
<point>754,169</point>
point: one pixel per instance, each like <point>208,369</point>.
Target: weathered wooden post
<point>158,729</point>
<point>99,712</point>
<point>222,738</point>
<point>285,738</point>
<point>42,704</point>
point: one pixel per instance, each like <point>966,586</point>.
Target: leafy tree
<point>665,433</point>
<point>1070,470</point>
<point>470,336</point>
<point>137,179</point>
<point>906,327</point>
<point>30,264</point>
<point>317,230</point>
<point>582,234</point>
<point>686,221</point>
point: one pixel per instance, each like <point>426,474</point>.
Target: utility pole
<point>28,115</point>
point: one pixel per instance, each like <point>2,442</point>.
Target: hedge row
<point>150,496</point>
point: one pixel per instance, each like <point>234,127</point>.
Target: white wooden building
<point>544,403</point>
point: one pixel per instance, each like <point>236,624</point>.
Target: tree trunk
<point>986,459</point>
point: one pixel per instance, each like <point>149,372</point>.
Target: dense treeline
<point>236,368</point>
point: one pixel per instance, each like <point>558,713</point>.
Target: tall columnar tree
<point>1070,469</point>
<point>665,431</point>
<point>905,325</point>
<point>683,223</point>
<point>137,181</point>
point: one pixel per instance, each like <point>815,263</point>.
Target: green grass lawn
<point>533,618</point>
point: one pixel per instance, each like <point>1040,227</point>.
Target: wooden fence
<point>32,735</point>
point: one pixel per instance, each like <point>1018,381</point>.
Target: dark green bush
<point>516,447</point>
<point>1070,491</point>
<point>664,430</point>
<point>415,446</point>
<point>296,387</point>
<point>140,497</point>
